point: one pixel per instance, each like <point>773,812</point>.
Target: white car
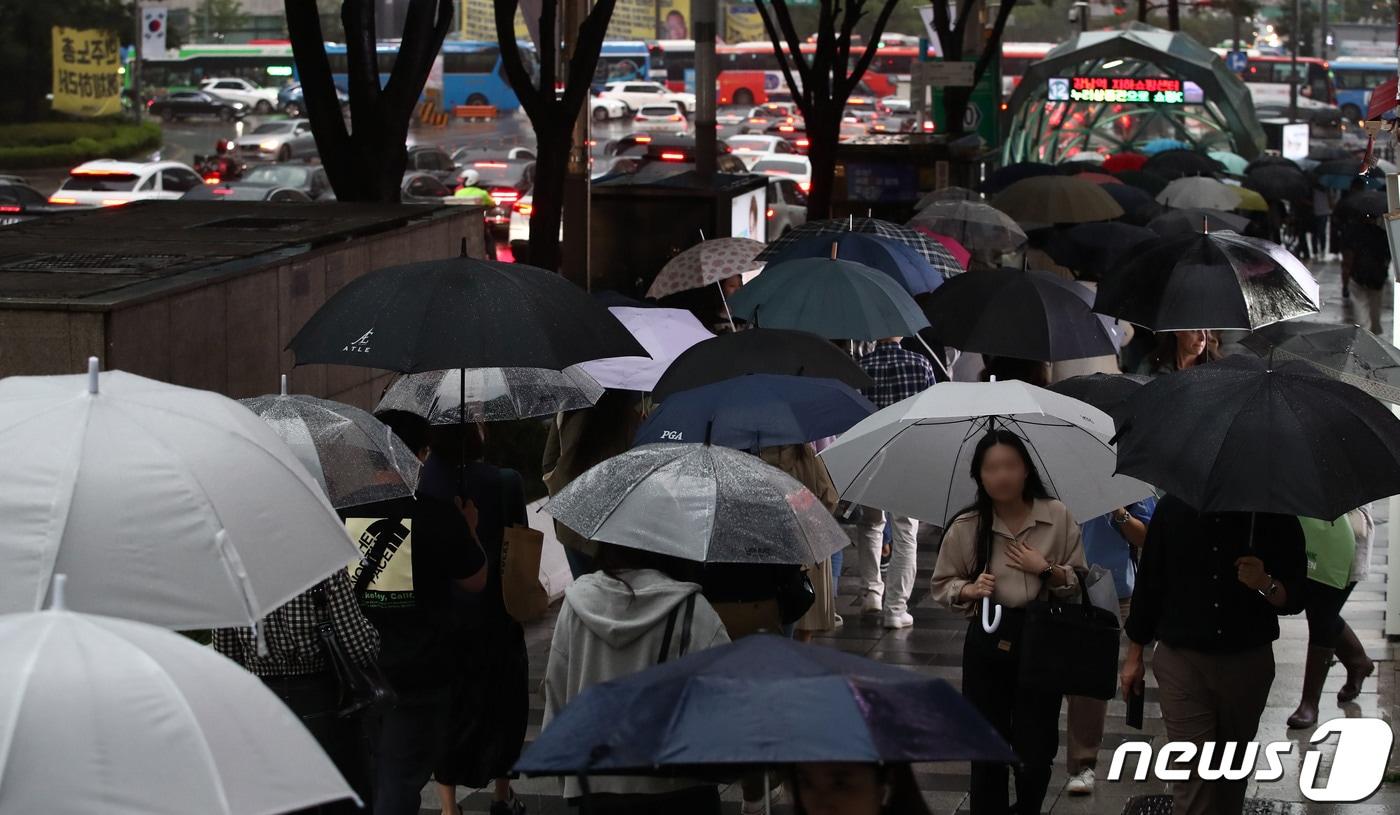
<point>603,108</point>
<point>108,183</point>
<point>637,95</point>
<point>787,207</point>
<point>752,148</point>
<point>796,168</point>
<point>258,99</point>
<point>281,140</point>
<point>660,117</point>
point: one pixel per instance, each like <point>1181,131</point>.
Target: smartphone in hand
<point>1135,700</point>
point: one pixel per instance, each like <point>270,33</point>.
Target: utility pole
<point>574,260</point>
<point>138,104</point>
<point>1293,65</point>
<point>1322,44</point>
<point>703,19</point>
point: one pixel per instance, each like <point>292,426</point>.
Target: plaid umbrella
<point>705,264</point>
<point>931,250</point>
<point>1349,353</point>
<point>975,225</point>
<point>948,194</point>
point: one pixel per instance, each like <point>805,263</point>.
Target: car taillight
<point>496,164</point>
<point>222,191</point>
<point>672,156</point>
<point>676,117</point>
<point>61,199</point>
<point>505,195</point>
<point>928,125</point>
<point>786,129</point>
<point>770,212</point>
<point>525,208</point>
<point>10,207</point>
<point>802,143</point>
<point>805,186</point>
<point>114,202</point>
<point>212,178</point>
<point>644,139</point>
<point>150,102</point>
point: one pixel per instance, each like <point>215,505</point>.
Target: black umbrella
<point>1220,280</point>
<point>1365,203</point>
<point>1107,392</point>
<point>1240,435</point>
<point>1268,160</point>
<point>1195,221</point>
<point>1346,352</point>
<point>1347,165</point>
<point>1329,153</point>
<point>1138,206</point>
<point>1093,250</point>
<point>1278,182</point>
<point>1014,313</point>
<point>461,313</point>
<point>759,351</point>
<point>1151,183</point>
<point>1003,177</point>
<point>1174,164</point>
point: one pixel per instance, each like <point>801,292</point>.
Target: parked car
<point>291,101</point>
<point>237,191</point>
<point>637,95</point>
<point>751,148</point>
<point>423,188</point>
<point>108,183</point>
<point>660,117</point>
<point>185,104</point>
<point>21,202</point>
<point>258,99</point>
<point>280,141</point>
<point>787,207</point>
<point>308,179</point>
<point>434,161</point>
<point>603,108</point>
<point>797,168</point>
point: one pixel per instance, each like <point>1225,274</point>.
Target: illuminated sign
<point>1141,90</point>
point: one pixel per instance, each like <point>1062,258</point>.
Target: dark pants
<point>1027,719</point>
<point>412,737</point>
<point>313,698</point>
<point>690,801</point>
<point>1324,613</point>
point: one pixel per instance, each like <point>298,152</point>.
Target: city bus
<point>1355,78</point>
<point>673,64</point>
<point>471,71</point>
<point>748,73</point>
<point>622,61</point>
<point>1268,78</point>
<point>263,62</point>
<point>1016,57</point>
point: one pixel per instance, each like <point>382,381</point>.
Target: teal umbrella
<point>836,299</point>
<point>1234,165</point>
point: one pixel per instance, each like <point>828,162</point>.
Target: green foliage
<point>213,18</point>
<point>26,40</point>
<point>64,144</point>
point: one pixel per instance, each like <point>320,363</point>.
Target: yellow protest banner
<point>86,72</point>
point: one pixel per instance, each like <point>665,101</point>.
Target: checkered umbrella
<point>705,264</point>
<point>931,250</point>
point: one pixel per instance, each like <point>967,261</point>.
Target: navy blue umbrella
<point>751,704</point>
<point>1003,177</point>
<point>898,260</point>
<point>758,410</point>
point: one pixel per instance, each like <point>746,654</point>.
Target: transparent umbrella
<point>491,394</point>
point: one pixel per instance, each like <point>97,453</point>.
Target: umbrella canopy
<point>1173,164</point>
<point>1220,280</point>
<point>126,717</point>
<point>913,457</point>
<point>759,351</point>
<point>356,458</point>
<point>978,226</point>
<point>1003,177</point>
<point>1349,353</point>
<point>756,411</point>
<point>1241,435</point>
<point>931,250</point>
<point>169,505</point>
<point>1233,163</point>
<point>717,710</point>
<point>1250,201</point>
<point>1151,183</point>
<point>1370,180</point>
<point>1270,160</point>
<point>705,264</point>
<point>699,502</point>
<point>1014,313</point>
<point>957,250</point>
<point>1093,250</point>
<point>836,299</point>
<point>1107,392</point>
<point>906,266</point>
<point>1195,221</point>
<point>1198,192</point>
<point>665,333</point>
<point>491,394</point>
<point>1124,161</point>
<point>1156,146</point>
<point>1138,206</point>
<point>461,313</point>
<point>1366,203</point>
<point>948,194</point>
<point>1280,182</point>
<point>1058,199</point>
<point>1329,152</point>
<point>1099,178</point>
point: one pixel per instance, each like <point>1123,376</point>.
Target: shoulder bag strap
<point>685,625</point>
<point>666,637</point>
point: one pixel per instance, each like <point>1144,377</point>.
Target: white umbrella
<point>914,457</point>
<point>112,716</point>
<point>664,332</point>
<point>163,504</point>
<point>1198,192</point>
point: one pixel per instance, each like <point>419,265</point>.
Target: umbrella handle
<point>990,626</point>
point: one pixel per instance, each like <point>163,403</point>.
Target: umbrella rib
<point>9,735</point>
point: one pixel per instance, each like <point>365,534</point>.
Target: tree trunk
<point>1142,11</point>
<point>1173,15</point>
<point>821,152</point>
<point>551,165</point>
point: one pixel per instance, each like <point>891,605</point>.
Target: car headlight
<point>269,146</point>
<point>238,105</point>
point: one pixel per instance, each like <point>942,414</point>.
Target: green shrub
<point>63,144</point>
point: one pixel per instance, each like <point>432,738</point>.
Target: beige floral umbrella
<point>705,264</point>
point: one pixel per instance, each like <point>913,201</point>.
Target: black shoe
<point>512,807</point>
<point>1346,293</point>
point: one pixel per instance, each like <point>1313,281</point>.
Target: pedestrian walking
<point>1014,544</point>
<point>1369,267</point>
<point>1210,598</point>
<point>897,374</point>
<point>840,788</point>
<point>1322,213</point>
<point>802,463</point>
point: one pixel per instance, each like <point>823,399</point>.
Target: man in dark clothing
<point>1210,587</point>
<point>416,549</point>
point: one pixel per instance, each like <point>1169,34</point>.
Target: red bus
<point>749,73</point>
<point>673,64</point>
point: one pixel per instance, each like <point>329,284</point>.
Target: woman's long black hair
<point>982,504</point>
<point>905,798</point>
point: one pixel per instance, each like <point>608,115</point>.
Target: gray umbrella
<point>699,502</point>
<point>492,394</point>
<point>979,227</point>
<point>1346,352</point>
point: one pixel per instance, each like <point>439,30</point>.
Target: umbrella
<point>1245,436</point>
<point>1059,199</point>
<point>1099,178</point>
<point>1107,392</point>
<point>1345,352</point>
<point>1151,183</point>
<point>1198,192</point>
<point>1250,201</point>
<point>1220,280</point>
<point>699,502</point>
<point>1081,158</point>
<point>705,264</point>
<point>931,250</point>
<point>718,709</point>
<point>461,313</point>
<point>913,457</point>
<point>1093,250</point>
<point>1119,162</point>
<point>491,394</point>
<point>125,717</point>
<point>354,456</point>
<point>957,250</point>
<point>169,505</point>
<point>1015,313</point>
<point>1365,203</point>
<point>1233,164</point>
<point>1173,164</point>
<point>1003,177</point>
<point>1277,181</point>
<point>664,332</point>
<point>1326,152</point>
<point>907,267</point>
<point>1138,206</point>
<point>756,411</point>
<point>1270,160</point>
<point>1156,146</point>
<point>948,194</point>
<point>978,226</point>
<point>1194,221</point>
<point>759,351</point>
<point>836,299</point>
<point>1338,173</point>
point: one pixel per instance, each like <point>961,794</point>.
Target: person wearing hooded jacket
<point>614,622</point>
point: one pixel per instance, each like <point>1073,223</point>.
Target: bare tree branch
<point>318,89</point>
<point>511,62</point>
<point>427,21</point>
<point>984,61</point>
<point>549,20</point>
<point>362,61</point>
<point>794,48</point>
<point>872,47</point>
<point>583,63</point>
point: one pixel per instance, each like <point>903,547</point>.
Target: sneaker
<point>902,620</point>
<point>1081,783</point>
<point>871,604</point>
<point>837,622</point>
<point>757,808</point>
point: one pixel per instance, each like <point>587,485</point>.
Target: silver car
<point>281,140</point>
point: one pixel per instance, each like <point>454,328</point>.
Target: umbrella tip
<point>709,431</point>
<point>834,247</point>
<point>464,248</point>
<point>93,368</point>
<point>284,384</point>
<point>56,597</point>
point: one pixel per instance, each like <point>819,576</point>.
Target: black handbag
<point>362,688</point>
<point>1070,647</point>
<point>795,596</point>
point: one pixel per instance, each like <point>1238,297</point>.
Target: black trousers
<point>409,743</point>
<point>1028,719</point>
<point>313,698</point>
<point>703,800</point>
<point>1324,612</point>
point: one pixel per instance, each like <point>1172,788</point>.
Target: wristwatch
<point>1047,572</point>
<point>1271,590</point>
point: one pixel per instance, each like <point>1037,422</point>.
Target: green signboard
<point>983,109</point>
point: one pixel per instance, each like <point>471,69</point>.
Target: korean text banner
<point>86,78</point>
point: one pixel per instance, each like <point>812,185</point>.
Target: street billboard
<point>86,72</point>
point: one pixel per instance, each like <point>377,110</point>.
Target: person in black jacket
<point>1210,587</point>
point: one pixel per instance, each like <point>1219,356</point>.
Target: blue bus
<point>1356,77</point>
<point>622,61</point>
<point>472,73</point>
